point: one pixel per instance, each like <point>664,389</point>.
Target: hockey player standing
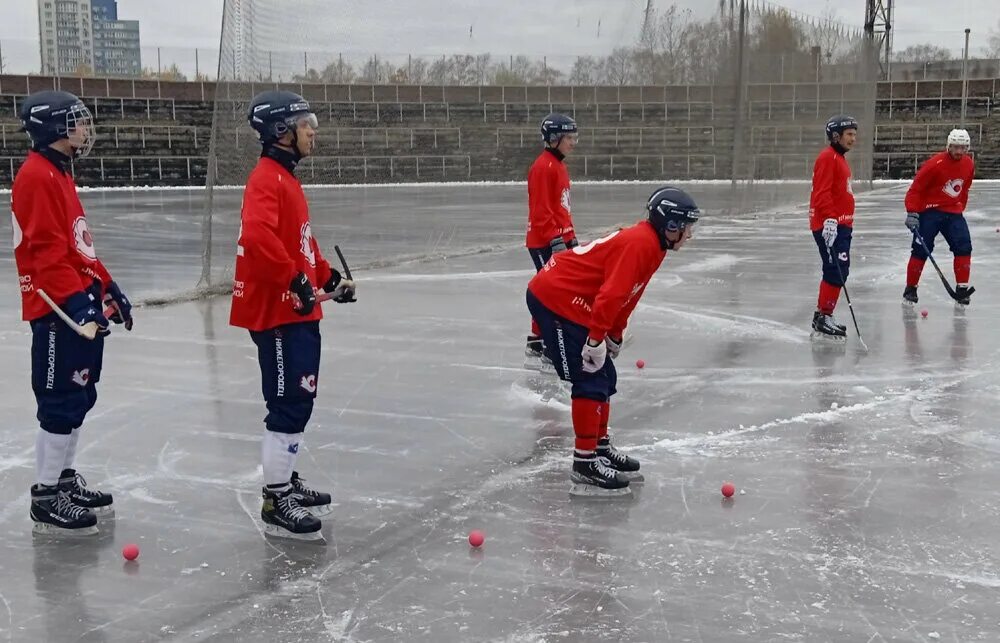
<point>831,219</point>
<point>550,225</point>
<point>55,253</point>
<point>582,300</point>
<point>277,264</point>
<point>935,204</point>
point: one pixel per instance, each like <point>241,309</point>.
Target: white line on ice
<point>744,325</point>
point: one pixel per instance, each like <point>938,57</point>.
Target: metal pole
<point>197,71</point>
<point>159,70</point>
<point>965,75</point>
<point>738,119</point>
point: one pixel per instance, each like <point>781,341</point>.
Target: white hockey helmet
<point>959,137</point>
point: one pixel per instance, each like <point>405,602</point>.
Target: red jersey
<point>599,284</point>
<point>53,248</point>
<point>548,201</point>
<point>832,196</point>
<point>941,184</point>
<point>275,245</point>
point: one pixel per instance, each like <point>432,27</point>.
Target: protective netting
<point>738,95</point>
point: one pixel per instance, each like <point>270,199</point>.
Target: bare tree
<point>993,48</point>
<point>921,53</point>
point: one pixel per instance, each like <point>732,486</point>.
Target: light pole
<point>965,75</point>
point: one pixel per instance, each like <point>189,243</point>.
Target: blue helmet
<point>837,125</point>
<point>671,209</point>
<point>276,113</point>
<point>50,116</point>
<point>555,126</point>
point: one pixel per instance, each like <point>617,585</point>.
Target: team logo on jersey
<point>308,383</point>
<point>953,188</point>
<point>81,377</point>
<point>306,244</point>
<point>18,235</point>
<point>564,199</point>
<point>84,242</point>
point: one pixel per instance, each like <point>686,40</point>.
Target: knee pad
<point>62,411</point>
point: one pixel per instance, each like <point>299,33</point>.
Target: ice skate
<point>826,328</point>
<point>100,503</point>
<point>534,347</point>
<point>627,467</point>
<point>910,296</point>
<point>285,517</point>
<point>317,502</point>
<point>53,513</point>
<point>963,295</point>
<point>593,478</point>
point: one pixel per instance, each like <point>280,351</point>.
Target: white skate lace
<point>603,468</point>
<point>65,506</point>
<point>80,484</point>
<point>297,483</point>
<point>614,455</point>
<point>290,506</point>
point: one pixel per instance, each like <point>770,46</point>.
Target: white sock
<point>278,453</point>
<point>50,456</point>
<point>71,450</point>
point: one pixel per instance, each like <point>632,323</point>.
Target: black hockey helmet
<point>555,126</point>
<point>50,116</point>
<point>837,125</point>
<point>671,209</point>
<point>275,113</point>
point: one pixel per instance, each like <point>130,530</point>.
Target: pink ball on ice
<point>476,538</point>
<point>640,363</point>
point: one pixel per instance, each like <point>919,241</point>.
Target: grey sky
<point>428,27</point>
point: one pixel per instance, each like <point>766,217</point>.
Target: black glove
<point>572,243</point>
<point>557,245</point>
<point>122,306</point>
<point>343,289</point>
<point>82,308</point>
<point>303,289</point>
<point>912,221</point>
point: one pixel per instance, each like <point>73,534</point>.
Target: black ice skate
<point>963,294</point>
<point>285,517</point>
<point>910,296</point>
<point>534,346</point>
<point>826,327</point>
<point>317,502</point>
<point>627,468</point>
<point>101,504</point>
<point>593,478</point>
<point>53,512</point>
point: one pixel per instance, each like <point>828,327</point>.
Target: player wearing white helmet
<point>935,203</point>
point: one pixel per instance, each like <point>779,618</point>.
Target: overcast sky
<point>427,27</point>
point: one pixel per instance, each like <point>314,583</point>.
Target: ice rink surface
<point>870,510</point>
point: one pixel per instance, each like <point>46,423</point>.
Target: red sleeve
<point>618,328</point>
<point>609,305</point>
<point>968,184</point>
<point>103,273</point>
<point>259,241</point>
<point>561,215</point>
<point>44,230</point>
<point>543,217</point>
<point>914,201</point>
<point>822,187</point>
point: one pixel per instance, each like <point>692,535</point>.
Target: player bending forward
<point>277,263</point>
<point>55,254</point>
<point>550,225</point>
<point>582,300</point>
<point>934,204</point>
<point>831,219</point>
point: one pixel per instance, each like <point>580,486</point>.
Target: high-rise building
<point>66,37</point>
<point>86,37</point>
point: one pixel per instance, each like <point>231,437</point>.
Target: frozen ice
<point>874,513</point>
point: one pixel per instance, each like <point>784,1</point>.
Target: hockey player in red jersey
<point>55,254</point>
<point>935,203</point>
<point>278,262</point>
<point>550,224</point>
<point>582,300</point>
<point>831,219</point>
